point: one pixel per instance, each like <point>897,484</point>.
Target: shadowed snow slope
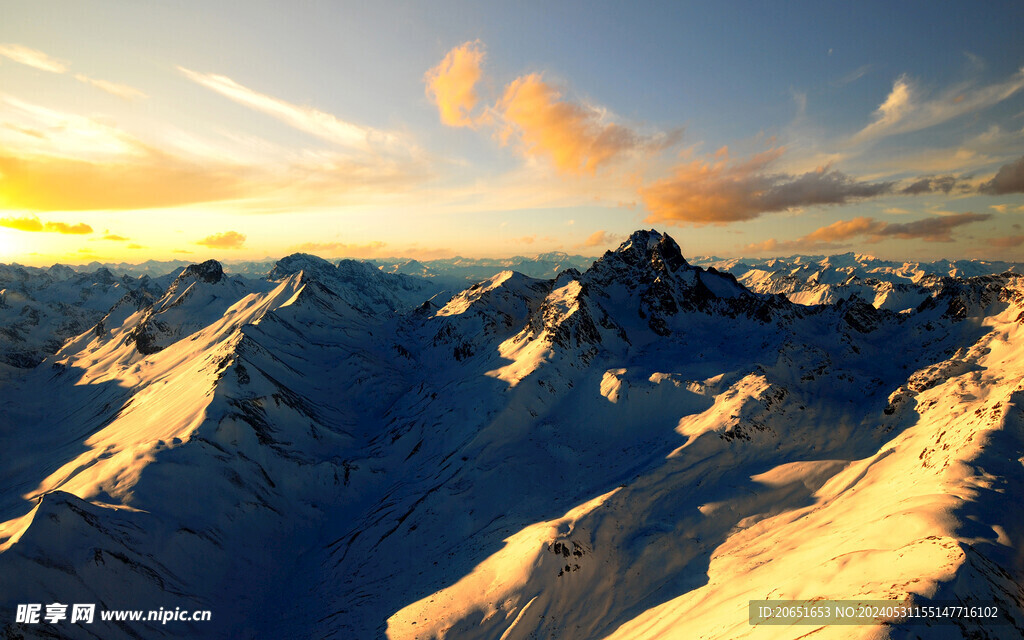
<point>632,451</point>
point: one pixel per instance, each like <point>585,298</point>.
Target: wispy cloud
<point>35,225</point>
<point>1003,208</point>
<point>905,109</point>
<point>890,113</point>
<point>32,58</point>
<point>39,60</point>
<point>871,230</point>
<point>971,155</point>
<point>451,85</point>
<point>57,161</point>
<point>225,240</point>
<point>721,192</point>
<point>313,121</point>
<point>853,76</point>
<point>113,88</point>
<point>113,237</point>
<point>32,129</point>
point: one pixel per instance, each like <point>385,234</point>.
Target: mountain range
<point>633,448</point>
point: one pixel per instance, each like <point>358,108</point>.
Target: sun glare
<point>7,247</point>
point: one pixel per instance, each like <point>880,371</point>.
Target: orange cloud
<point>114,237</point>
<point>933,229</point>
<point>845,229</point>
<point>722,192</point>
<point>599,239</point>
<point>576,138</point>
<point>573,136</point>
<point>226,240</point>
<point>451,85</point>
<point>34,225</point>
<point>31,58</point>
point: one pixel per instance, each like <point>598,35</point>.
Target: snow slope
<point>41,308</point>
<point>631,451</point>
<point>811,280</point>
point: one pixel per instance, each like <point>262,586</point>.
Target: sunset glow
<point>477,130</point>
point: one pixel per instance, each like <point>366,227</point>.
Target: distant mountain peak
<point>355,269</point>
<point>104,276</point>
<point>210,271</point>
<point>296,262</point>
<point>62,271</point>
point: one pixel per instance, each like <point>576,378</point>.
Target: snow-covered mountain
<point>863,266</point>
<point>41,308</point>
<point>460,272</point>
<point>155,268</point>
<point>631,450</point>
<point>809,280</point>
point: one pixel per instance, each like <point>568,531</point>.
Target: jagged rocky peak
<point>650,247</point>
<point>210,271</point>
<point>642,258</point>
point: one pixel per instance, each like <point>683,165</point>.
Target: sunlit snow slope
<point>632,451</point>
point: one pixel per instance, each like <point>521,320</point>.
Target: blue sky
<point>135,130</point>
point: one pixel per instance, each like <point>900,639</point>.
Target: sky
<point>183,130</point>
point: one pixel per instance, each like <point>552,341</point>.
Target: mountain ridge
<point>623,451</point>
